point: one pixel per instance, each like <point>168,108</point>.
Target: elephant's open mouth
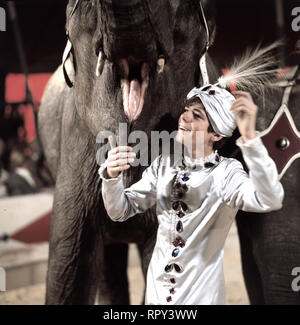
<point>134,82</point>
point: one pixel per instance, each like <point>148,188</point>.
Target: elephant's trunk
<point>127,30</point>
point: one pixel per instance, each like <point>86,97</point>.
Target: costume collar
<point>207,161</point>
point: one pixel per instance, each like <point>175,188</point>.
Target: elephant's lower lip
<point>133,91</point>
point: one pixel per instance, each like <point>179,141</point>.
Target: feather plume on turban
<point>251,72</point>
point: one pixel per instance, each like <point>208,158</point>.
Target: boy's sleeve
<point>122,203</point>
<point>260,191</point>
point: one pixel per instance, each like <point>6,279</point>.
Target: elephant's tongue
<point>133,110</point>
<point>134,94</point>
<point>133,98</point>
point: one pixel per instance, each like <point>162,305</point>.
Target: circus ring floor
<point>24,256</point>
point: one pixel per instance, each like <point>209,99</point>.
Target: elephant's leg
<point>72,278</point>
<point>140,229</point>
<point>75,258</point>
<point>113,288</point>
<point>275,246</point>
<point>277,254</point>
<point>76,254</point>
<point>250,269</point>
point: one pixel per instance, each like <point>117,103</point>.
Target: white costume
<point>214,196</point>
<point>187,262</point>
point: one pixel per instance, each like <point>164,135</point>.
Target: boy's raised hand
<point>245,111</point>
<point>118,159</point>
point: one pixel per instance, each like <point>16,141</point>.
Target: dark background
<point>248,22</point>
<point>42,24</point>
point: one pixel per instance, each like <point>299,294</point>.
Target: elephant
<point>270,242</point>
<point>145,49</point>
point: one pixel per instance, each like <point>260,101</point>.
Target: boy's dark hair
<point>217,145</point>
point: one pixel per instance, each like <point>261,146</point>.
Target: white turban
<point>217,103</point>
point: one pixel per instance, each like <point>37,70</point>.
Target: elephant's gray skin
<point>87,250</point>
<point>270,243</point>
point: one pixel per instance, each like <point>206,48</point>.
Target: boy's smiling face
<point>193,127</point>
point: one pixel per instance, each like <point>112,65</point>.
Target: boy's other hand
<point>245,111</point>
